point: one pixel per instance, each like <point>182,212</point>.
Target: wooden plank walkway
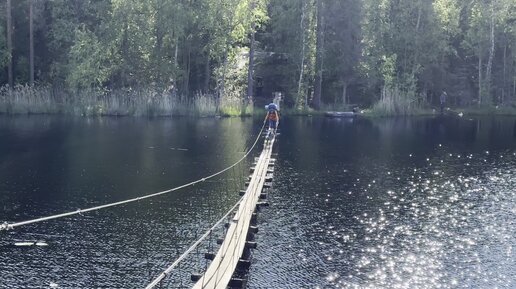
<point>221,269</point>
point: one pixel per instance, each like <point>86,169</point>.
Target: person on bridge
<point>272,115</point>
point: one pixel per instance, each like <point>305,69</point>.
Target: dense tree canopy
<point>395,54</point>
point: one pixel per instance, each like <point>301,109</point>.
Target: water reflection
<point>387,203</point>
<point>55,164</point>
<point>401,203</point>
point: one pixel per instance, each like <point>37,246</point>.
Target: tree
<point>66,17</point>
<point>288,61</point>
<point>343,47</point>
<point>4,54</point>
<point>319,62</point>
<point>31,41</point>
<point>399,53</point>
<point>250,79</point>
<point>9,31</point>
<point>486,21</point>
<point>92,62</point>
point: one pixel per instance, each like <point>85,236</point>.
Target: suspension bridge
<point>233,256</point>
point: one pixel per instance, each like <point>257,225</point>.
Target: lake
<point>357,203</point>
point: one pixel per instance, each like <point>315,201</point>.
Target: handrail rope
<point>8,226</point>
<point>190,249</point>
<point>231,239</point>
<point>167,271</point>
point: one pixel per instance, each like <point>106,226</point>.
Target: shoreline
<point>145,102</point>
<point>459,112</point>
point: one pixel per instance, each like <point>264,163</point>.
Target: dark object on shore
<point>340,114</point>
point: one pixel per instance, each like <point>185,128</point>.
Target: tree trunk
<point>344,92</point>
<point>303,45</point>
<point>416,53</point>
<point>319,56</point>
<point>250,71</point>
<point>221,90</point>
<point>504,79</point>
<point>479,79</point>
<point>9,44</point>
<point>159,48</point>
<point>207,74</point>
<point>186,80</point>
<point>491,54</point>
<point>160,77</point>
<point>124,55</point>
<point>514,88</point>
<point>176,50</point>
<point>31,41</point>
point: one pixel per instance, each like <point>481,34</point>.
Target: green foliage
<point>398,54</point>
<point>23,99</point>
<point>448,14</point>
<point>397,101</point>
<point>90,61</point>
<point>290,38</point>
<point>342,47</point>
<point>4,55</point>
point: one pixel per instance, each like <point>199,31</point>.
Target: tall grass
<point>395,101</point>
<point>24,99</point>
<point>303,111</point>
<point>136,102</point>
<point>235,107</point>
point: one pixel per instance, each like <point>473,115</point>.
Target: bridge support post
<point>235,283</point>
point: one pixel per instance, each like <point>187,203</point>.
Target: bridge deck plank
<point>221,269</point>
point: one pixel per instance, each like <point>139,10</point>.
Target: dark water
<point>391,203</point>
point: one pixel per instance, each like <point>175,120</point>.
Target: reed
<point>235,107</point>
<point>394,102</point>
<point>24,99</point>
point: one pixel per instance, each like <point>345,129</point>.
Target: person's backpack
<point>273,115</point>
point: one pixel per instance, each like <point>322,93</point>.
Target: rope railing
<point>230,251</point>
<point>169,269</point>
<point>157,281</point>
<point>9,226</point>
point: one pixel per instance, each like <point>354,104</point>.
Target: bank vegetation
<point>221,57</point>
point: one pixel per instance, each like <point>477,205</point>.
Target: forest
<point>208,57</point>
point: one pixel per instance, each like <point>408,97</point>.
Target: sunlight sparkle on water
<point>431,229</point>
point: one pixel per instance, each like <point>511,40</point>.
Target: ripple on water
<point>441,226</point>
<point>399,203</point>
